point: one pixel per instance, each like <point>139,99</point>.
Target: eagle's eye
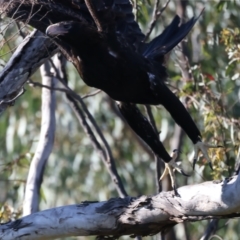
<point>66,26</point>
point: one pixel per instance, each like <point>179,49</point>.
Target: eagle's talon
<point>184,174</point>
<point>194,163</point>
<point>203,147</point>
<point>210,165</point>
<point>176,192</point>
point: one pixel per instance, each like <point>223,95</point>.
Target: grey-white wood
<point>130,216</point>
<point>45,144</point>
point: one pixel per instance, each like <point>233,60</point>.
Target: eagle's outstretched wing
<point>42,13</point>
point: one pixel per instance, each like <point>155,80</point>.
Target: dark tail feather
<point>169,38</point>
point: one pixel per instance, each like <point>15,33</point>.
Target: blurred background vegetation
<point>75,172</point>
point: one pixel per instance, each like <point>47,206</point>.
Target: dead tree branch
<point>45,144</point>
<point>145,215</point>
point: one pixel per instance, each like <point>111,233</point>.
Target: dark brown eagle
<point>116,60</point>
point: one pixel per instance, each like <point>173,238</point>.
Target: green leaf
<point>220,6</point>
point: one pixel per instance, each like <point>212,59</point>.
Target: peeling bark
<point>145,215</point>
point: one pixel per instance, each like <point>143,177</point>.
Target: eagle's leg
<point>181,116</point>
<point>170,167</point>
<point>144,129</point>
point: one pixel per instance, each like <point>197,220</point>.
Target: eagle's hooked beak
<point>56,30</point>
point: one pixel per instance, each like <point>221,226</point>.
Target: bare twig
<point>211,229</point>
<point>37,84</point>
<point>91,94</point>
<point>22,34</point>
<point>156,14</point>
<point>93,12</point>
<point>158,161</point>
<point>105,152</point>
